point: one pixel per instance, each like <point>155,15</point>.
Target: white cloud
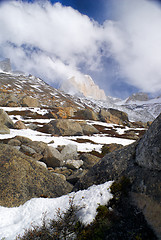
<point>54,42</point>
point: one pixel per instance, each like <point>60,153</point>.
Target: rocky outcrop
<point>140,163</point>
<point>148,152</point>
<point>22,178</point>
<point>138,97</point>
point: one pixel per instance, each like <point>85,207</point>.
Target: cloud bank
<point>57,42</point>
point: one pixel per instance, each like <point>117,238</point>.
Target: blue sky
<point>117,42</point>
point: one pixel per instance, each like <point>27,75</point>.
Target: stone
<point>5,119</point>
<point>22,178</point>
<point>89,160</point>
<point>27,150</point>
<point>28,101</point>
<point>69,152</point>
<point>86,114</point>
<point>107,148</point>
<point>52,157</point>
<point>14,142</point>
<point>20,125</point>
<point>62,127</point>
<point>106,116</point>
<point>59,175</point>
<point>74,164</point>
<point>121,115</point>
<point>73,178</point>
<point>4,129</point>
<point>88,129</point>
<point>32,126</point>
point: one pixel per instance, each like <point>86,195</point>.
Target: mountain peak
<point>84,86</point>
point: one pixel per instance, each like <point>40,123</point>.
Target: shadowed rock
<point>141,163</point>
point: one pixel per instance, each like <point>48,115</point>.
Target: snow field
<point>14,221</point>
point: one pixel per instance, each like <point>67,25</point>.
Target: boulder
<point>140,163</point>
<point>62,127</point>
<point>113,116</point>
<point>20,125</point>
<point>28,101</point>
<point>27,150</point>
<point>88,129</point>
<point>107,148</point>
<point>52,157</point>
<point>69,152</point>
<point>121,115</point>
<point>4,129</point>
<point>74,164</point>
<point>76,175</point>
<point>22,178</point>
<point>89,160</point>
<point>5,119</point>
<point>106,116</point>
<point>86,114</point>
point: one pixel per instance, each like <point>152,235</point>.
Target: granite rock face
<point>148,152</point>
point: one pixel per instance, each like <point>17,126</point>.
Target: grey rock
<point>148,152</point>
<point>88,129</point>
<point>5,119</point>
<point>63,127</point>
<point>89,160</point>
<point>74,164</point>
<point>27,150</point>
<point>52,157</point>
<point>69,152</point>
<point>4,129</point>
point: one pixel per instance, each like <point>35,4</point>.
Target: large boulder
<point>22,178</point>
<point>63,127</point>
<point>88,129</point>
<point>69,152</point>
<point>140,163</point>
<point>121,115</point>
<point>52,157</point>
<point>113,116</point>
<point>89,160</point>
<point>86,114</point>
<point>5,119</point>
<point>28,101</point>
<point>4,129</point>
